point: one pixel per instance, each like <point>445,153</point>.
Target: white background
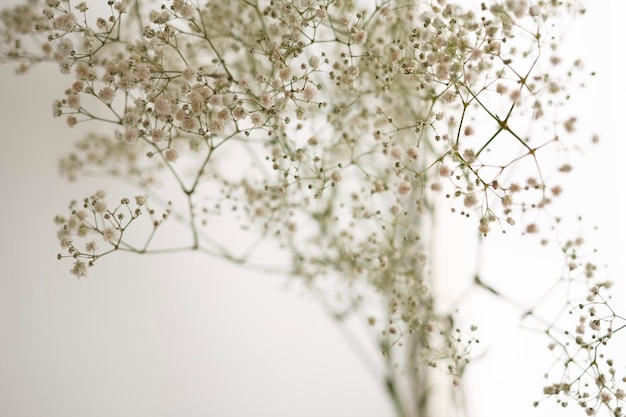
<point>186,335</point>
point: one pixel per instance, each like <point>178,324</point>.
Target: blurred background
<point>187,335</point>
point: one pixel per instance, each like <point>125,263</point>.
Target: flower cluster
<point>94,225</point>
<point>589,373</point>
<point>334,127</point>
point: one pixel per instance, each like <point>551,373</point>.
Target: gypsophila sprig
<point>586,372</point>
<point>333,128</point>
<point>96,224</point>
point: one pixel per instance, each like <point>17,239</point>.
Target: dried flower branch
<point>334,128</point>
